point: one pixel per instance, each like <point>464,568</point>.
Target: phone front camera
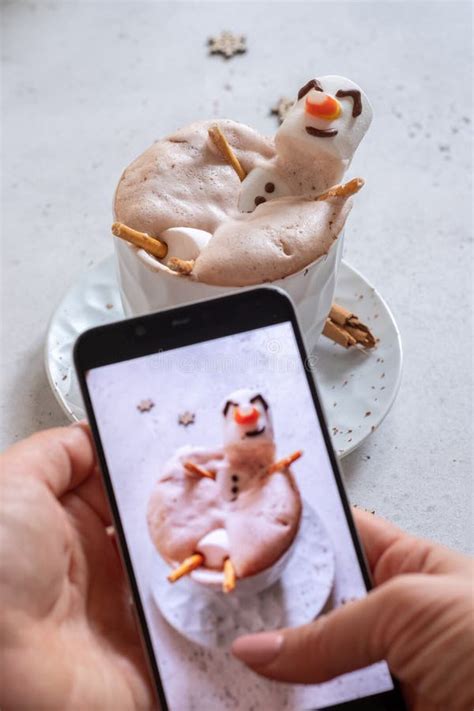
<point>140,330</point>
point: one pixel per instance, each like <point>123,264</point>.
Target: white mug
<point>252,584</point>
<point>147,285</point>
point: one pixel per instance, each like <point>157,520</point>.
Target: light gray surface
<point>87,86</point>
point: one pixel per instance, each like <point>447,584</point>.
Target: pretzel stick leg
<point>200,471</point>
<point>142,240</point>
<point>284,463</point>
<point>222,145</point>
<point>345,190</point>
<point>186,567</point>
<point>182,266</point>
<point>229,576</point>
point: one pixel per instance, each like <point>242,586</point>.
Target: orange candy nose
<point>322,105</point>
<point>246,416</point>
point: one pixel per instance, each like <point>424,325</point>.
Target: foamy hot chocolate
<point>233,208</point>
<point>232,511</point>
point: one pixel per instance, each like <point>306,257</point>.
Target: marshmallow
<point>214,546</point>
<point>278,239</point>
<point>314,144</point>
<point>246,413</point>
<point>331,118</point>
<point>184,242</point>
<point>248,429</point>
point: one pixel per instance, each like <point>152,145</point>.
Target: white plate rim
<point>398,379</point>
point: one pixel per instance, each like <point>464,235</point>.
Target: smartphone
<point>226,495</point>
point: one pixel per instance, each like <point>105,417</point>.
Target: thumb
<point>423,625</point>
<point>61,458</point>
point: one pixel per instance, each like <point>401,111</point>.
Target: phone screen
<point>215,450</point>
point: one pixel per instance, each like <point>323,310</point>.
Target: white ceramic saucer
<point>357,387</point>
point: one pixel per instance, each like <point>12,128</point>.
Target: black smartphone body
<point>221,476</point>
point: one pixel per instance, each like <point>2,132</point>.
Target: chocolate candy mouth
<point>255,433</point>
<point>321,132</point>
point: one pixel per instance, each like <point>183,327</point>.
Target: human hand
<point>69,639</point>
<point>420,618</point>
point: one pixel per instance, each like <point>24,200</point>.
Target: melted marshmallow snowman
<point>247,421</point>
<point>314,144</point>
<point>249,450</point>
<point>248,437</point>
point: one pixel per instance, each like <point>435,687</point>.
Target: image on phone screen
<point>223,483</point>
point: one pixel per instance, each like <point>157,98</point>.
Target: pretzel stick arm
<point>346,190</point>
<point>222,145</point>
<point>200,471</point>
<point>141,240</point>
<point>284,463</point>
<point>186,567</point>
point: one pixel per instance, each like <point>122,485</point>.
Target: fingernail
<point>258,649</point>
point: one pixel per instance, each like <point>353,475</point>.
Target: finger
<point>92,490</point>
<point>332,645</point>
<point>62,458</point>
<point>391,551</point>
<point>410,621</point>
<point>376,534</point>
<point>351,637</point>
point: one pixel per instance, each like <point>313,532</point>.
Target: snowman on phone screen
<point>314,144</point>
<point>233,510</point>
<point>248,450</point>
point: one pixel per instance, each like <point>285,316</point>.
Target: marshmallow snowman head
<point>331,115</point>
<point>248,428</point>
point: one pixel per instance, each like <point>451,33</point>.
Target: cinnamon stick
<point>337,334</point>
<point>142,240</point>
<point>353,325</point>
<point>222,145</point>
<point>339,314</point>
<point>345,328</point>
